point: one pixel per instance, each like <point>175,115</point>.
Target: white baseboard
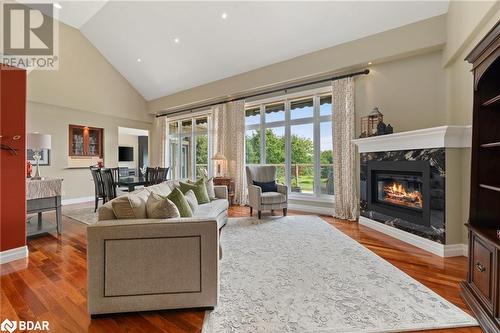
<point>453,250</point>
<point>76,200</point>
<point>311,209</point>
<point>13,254</point>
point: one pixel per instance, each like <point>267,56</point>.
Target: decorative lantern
<point>369,124</point>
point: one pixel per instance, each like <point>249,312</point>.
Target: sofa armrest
<point>221,191</point>
<point>283,189</point>
<point>181,261</point>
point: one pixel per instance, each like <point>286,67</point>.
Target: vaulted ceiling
<point>164,47</point>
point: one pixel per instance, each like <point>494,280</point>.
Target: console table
<point>42,196</point>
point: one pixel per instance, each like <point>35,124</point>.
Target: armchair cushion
<point>269,198</point>
<point>267,186</point>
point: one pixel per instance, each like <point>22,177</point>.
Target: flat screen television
<point>125,154</point>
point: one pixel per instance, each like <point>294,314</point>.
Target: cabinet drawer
<point>482,269</point>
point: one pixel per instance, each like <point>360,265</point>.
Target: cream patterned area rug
<point>84,215</point>
<point>299,274</point>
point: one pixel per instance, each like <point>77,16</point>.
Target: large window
<point>189,147</point>
<point>294,133</point>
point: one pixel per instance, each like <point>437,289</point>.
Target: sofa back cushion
<point>161,189</point>
<point>131,206</point>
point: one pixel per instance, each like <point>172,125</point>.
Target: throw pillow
<point>192,201</point>
<point>210,187</point>
<point>159,207</point>
<point>131,206</point>
<point>199,188</point>
<point>180,202</point>
<point>267,186</point>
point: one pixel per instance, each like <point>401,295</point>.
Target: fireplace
<point>400,189</point>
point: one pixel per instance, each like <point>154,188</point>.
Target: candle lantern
<point>370,123</point>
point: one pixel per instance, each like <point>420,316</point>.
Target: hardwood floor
<point>51,285</point>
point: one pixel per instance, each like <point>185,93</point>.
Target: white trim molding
<point>311,209</point>
<point>453,250</point>
<point>72,201</point>
<point>13,254</point>
<point>435,137</point>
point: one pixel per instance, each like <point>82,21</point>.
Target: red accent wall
<point>12,167</point>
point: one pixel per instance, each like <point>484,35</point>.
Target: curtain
<point>229,140</point>
<point>158,137</point>
<point>344,157</point>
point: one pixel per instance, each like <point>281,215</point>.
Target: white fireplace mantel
<point>434,137</point>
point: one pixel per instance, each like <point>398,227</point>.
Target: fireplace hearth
<point>400,189</point>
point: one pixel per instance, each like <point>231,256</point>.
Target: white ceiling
<point>132,131</point>
<point>255,34</point>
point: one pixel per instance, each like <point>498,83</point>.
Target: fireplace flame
<point>397,194</point>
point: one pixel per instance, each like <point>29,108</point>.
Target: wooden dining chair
<point>98,186</point>
<point>151,176</point>
<point>162,175</point>
<point>108,183</point>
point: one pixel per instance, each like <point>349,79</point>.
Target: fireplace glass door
<point>404,191</point>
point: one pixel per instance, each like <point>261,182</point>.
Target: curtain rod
<point>334,78</point>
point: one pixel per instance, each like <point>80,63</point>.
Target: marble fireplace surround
<point>430,144</point>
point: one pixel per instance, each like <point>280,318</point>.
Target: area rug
<point>299,274</point>
<point>84,215</point>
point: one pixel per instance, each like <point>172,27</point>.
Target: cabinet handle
<point>480,267</point>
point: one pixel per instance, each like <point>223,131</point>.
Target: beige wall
<point>411,39</point>
<point>54,120</point>
<point>467,23</point>
<point>128,140</point>
<point>85,81</point>
<point>409,92</point>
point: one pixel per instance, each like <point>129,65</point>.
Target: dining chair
<point>108,184</point>
<point>98,186</point>
<point>162,174</point>
<point>151,176</point>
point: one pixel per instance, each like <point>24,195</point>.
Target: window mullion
<point>317,146</point>
<point>262,135</point>
<point>193,149</point>
<point>288,145</point>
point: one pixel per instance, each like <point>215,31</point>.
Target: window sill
<point>311,198</point>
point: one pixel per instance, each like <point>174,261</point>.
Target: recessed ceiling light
<point>57,5</point>
<point>176,40</point>
<point>224,16</point>
<point>139,60</point>
<point>370,63</point>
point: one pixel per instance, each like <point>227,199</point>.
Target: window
<point>294,133</point>
<point>189,147</point>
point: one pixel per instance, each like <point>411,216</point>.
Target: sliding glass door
<point>189,145</point>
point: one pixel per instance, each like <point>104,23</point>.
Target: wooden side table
<point>229,182</point>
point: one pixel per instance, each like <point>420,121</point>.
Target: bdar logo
<point>8,326</point>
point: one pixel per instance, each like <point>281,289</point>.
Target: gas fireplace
<point>400,189</point>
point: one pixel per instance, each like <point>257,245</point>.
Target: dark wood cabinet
<point>481,291</point>
<point>85,141</point>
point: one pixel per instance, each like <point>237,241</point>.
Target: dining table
<point>131,182</point>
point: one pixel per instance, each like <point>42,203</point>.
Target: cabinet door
<point>77,141</point>
<point>482,270</point>
<point>94,145</point>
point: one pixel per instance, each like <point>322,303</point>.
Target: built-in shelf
<point>488,187</point>
<point>492,101</point>
<point>490,145</point>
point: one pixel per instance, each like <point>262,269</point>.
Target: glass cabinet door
<point>77,142</point>
<point>85,141</point>
<point>94,142</point>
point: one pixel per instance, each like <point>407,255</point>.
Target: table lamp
<point>38,142</point>
<point>219,158</point>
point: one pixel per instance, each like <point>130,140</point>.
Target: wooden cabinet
<point>229,182</point>
<point>85,141</point>
<point>481,291</point>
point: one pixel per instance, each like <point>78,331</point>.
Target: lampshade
<point>37,141</point>
<point>219,157</point>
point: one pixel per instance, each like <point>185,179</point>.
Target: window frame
<point>316,120</point>
<point>192,117</point>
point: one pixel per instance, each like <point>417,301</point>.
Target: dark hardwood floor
<point>51,285</point>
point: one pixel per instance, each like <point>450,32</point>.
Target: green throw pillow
<point>180,202</point>
<point>199,188</point>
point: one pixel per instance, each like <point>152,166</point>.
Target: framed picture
<point>44,161</point>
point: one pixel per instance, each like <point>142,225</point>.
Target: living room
<point>243,167</point>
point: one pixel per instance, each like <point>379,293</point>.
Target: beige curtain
<point>344,157</point>
<point>157,144</point>
<point>229,139</point>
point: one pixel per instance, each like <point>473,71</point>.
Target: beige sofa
<point>152,264</point>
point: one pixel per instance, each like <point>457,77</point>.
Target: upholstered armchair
<point>265,200</point>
